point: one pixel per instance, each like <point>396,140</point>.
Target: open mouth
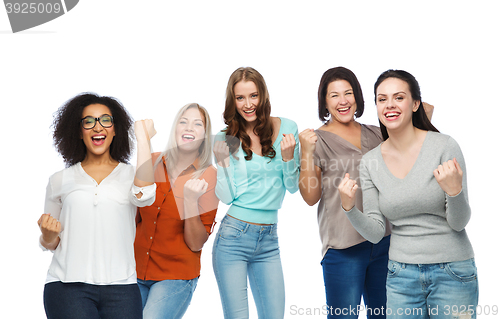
<point>344,110</point>
<point>392,115</point>
<point>187,137</point>
<point>98,139</point>
<point>249,112</point>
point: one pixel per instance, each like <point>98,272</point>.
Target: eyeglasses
<point>88,122</point>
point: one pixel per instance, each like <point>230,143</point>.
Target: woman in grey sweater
<point>417,180</point>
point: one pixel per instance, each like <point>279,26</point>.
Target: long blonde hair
<point>171,153</point>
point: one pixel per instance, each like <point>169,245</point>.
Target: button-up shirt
<point>160,250</point>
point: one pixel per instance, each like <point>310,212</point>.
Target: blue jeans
<point>244,250</point>
<point>85,301</point>
<point>353,272</point>
<point>444,290</point>
<point>166,299</point>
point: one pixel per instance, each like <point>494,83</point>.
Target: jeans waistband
<point>246,227</point>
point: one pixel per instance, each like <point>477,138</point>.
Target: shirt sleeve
<point>371,224</point>
<point>225,188</point>
<point>458,210</point>
<point>148,195</point>
<point>291,168</point>
<point>53,204</point>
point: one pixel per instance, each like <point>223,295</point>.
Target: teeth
<point>248,112</point>
<point>100,137</point>
<point>391,114</point>
<point>343,109</point>
<point>191,137</point>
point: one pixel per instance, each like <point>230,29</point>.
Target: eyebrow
<point>400,92</point>
<point>185,118</point>
<point>338,92</point>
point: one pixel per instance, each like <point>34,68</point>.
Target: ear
<point>416,105</point>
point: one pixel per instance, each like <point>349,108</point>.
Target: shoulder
<point>372,131</point>
<point>373,154</point>
<point>288,124</point>
<point>155,155</point>
<point>442,143</point>
<point>440,139</point>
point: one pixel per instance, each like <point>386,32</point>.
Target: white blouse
<point>97,225</point>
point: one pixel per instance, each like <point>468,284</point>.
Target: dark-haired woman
<point>416,179</point>
<point>90,207</point>
<point>263,164</point>
<point>352,267</point>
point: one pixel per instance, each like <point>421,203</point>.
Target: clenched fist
<point>287,147</point>
<point>144,129</point>
<point>221,152</point>
<point>347,190</point>
<point>194,188</point>
<point>449,177</point>
<point>50,228</point>
<point>308,141</point>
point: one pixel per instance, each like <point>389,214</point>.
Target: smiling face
<point>190,130</point>
<point>98,139</point>
<point>247,99</point>
<point>340,101</point>
<point>395,105</point>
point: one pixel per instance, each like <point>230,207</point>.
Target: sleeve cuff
<point>148,192</point>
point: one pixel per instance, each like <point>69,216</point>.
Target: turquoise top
<point>256,188</point>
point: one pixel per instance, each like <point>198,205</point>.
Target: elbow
<point>310,201</point>
<point>195,245</point>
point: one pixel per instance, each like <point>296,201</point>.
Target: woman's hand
<point>347,190</point>
<point>221,152</point>
<point>194,188</point>
<point>50,228</point>
<point>144,130</point>
<point>308,141</point>
<point>287,147</point>
<point>449,177</point>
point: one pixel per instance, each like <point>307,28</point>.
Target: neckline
<point>276,140</point>
<point>417,161</point>
<point>86,174</point>
<point>346,141</point>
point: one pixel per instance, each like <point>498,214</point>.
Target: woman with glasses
<point>90,208</point>
<point>172,231</point>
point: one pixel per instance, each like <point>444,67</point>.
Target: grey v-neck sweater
<point>428,226</point>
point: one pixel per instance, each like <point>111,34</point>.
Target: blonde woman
<point>172,231</point>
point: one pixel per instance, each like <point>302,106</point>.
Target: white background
<point>156,56</point>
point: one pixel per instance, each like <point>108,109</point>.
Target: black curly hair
<point>67,128</point>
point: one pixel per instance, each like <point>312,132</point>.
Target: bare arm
<point>144,131</point>
<point>195,233</point>
<point>310,174</point>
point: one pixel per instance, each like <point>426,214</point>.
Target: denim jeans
<point>353,272</point>
<point>444,290</point>
<point>244,250</point>
<point>166,299</point>
<point>85,301</point>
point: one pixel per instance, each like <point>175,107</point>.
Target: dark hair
<point>419,117</point>
<point>335,74</point>
<point>67,128</point>
<point>236,124</point>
